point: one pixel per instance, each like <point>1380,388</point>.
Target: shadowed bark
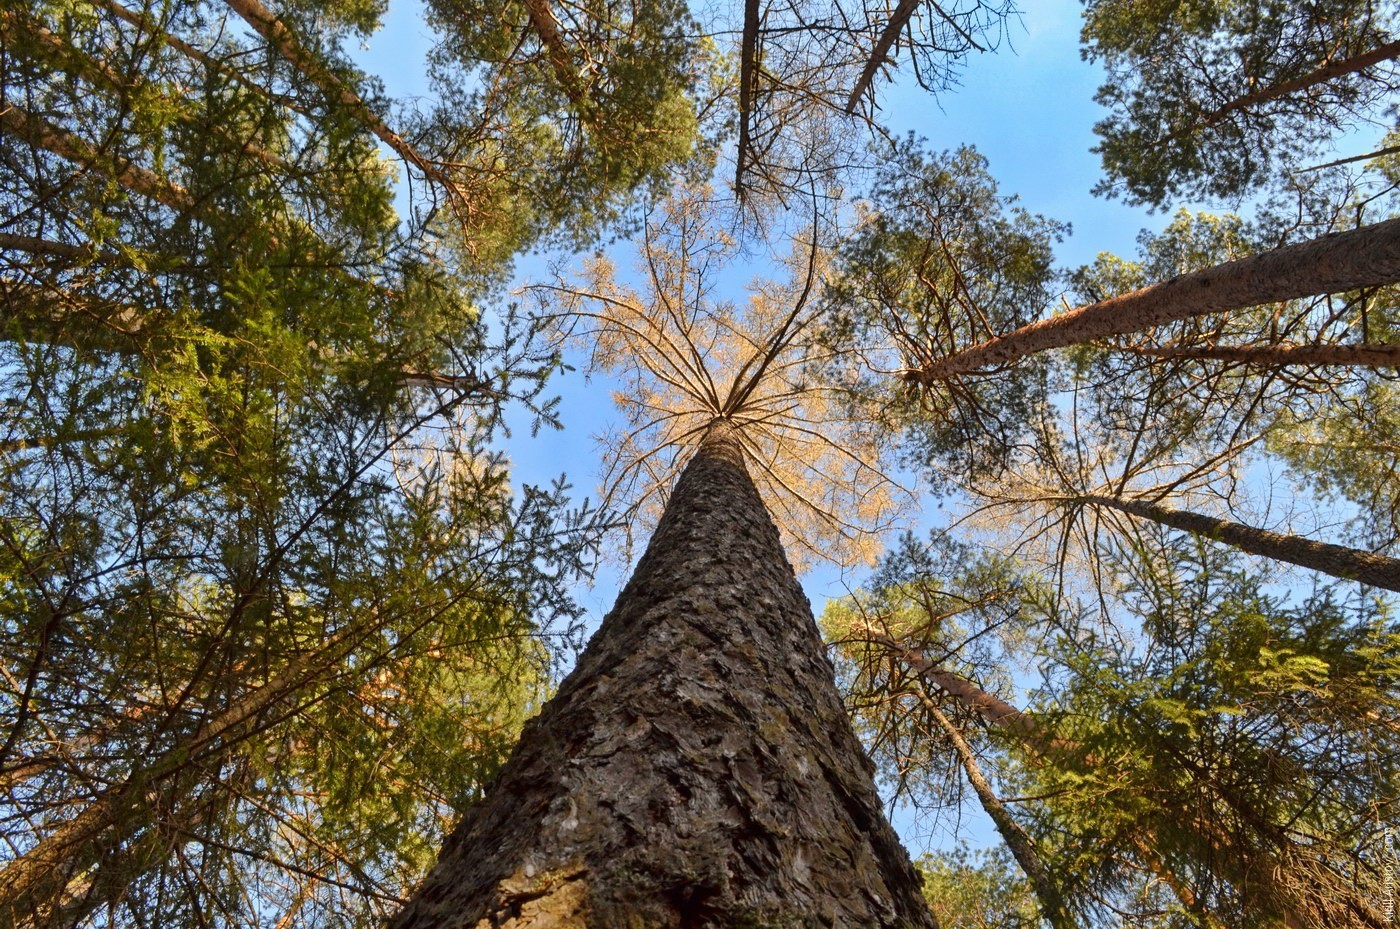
<point>697,768</point>
<point>1373,355</point>
<point>1336,560</point>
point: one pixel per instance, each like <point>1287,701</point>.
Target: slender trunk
<point>111,877</point>
<point>1365,257</point>
<point>58,54</point>
<point>34,245</point>
<point>1381,355</point>
<point>898,19</point>
<point>31,883</point>
<point>1336,560</point>
<point>276,33</point>
<point>1204,918</point>
<point>990,707</point>
<point>547,28</point>
<point>697,768</point>
<point>1351,159</point>
<point>1328,72</point>
<point>748,84</point>
<point>54,316</point>
<point>42,134</point>
<point>1263,872</point>
<point>1022,846</point>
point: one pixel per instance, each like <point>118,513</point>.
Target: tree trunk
<point>1365,257</point>
<point>1328,72</point>
<point>1377,355</point>
<point>748,84</point>
<point>1336,560</point>
<point>697,768</point>
<point>280,37</point>
<point>50,51</point>
<point>898,20</point>
<point>994,710</point>
<point>1022,846</point>
<point>42,134</point>
<point>32,883</point>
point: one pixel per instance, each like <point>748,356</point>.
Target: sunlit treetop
<point>683,356</point>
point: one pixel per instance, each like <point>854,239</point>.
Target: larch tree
<point>697,767</point>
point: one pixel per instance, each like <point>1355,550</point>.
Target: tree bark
<point>1336,560</point>
<point>42,134</point>
<point>1377,355</point>
<point>547,27</point>
<point>992,709</point>
<point>149,24</point>
<point>898,20</point>
<point>697,768</point>
<point>53,52</point>
<point>1365,257</point>
<point>748,85</point>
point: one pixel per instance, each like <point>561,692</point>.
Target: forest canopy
<point>275,603</point>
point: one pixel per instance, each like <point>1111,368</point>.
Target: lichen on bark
<point>697,768</point>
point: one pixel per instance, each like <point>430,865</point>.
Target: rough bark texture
<point>1365,257</point>
<point>697,768</point>
<point>1336,560</point>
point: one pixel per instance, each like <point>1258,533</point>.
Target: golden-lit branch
<point>686,358</point>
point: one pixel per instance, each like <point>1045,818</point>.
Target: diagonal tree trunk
<point>697,768</point>
<point>1365,257</point>
<point>1330,72</point>
<point>280,37</point>
<point>33,882</point>
<point>1387,51</point>
<point>50,51</point>
<point>40,133</point>
<point>1373,355</point>
<point>1336,560</point>
<point>1016,838</point>
<point>878,56</point>
<point>1265,873</point>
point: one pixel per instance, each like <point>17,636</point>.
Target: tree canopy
<point>275,603</point>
